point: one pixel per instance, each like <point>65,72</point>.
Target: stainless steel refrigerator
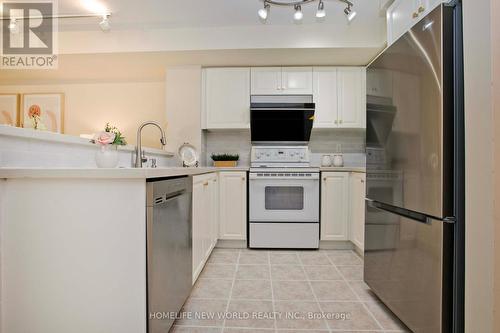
<point>414,195</point>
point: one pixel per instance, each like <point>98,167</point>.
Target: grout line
<point>272,290</point>
<point>231,291</point>
<point>312,290</point>
<point>356,295</point>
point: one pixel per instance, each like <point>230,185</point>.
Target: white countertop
<point>118,173</point>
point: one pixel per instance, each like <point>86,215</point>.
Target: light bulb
<point>104,24</point>
<point>297,16</point>
<point>263,12</point>
<point>350,14</point>
<point>321,10</point>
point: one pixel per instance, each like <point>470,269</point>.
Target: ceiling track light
<point>264,12</point>
<point>14,22</point>
<point>297,5</point>
<point>298,15</point>
<point>320,13</point>
<point>104,24</point>
<point>350,14</point>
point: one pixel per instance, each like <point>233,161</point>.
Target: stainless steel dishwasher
<point>169,249</point>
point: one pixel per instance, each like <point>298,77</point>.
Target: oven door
<point>284,197</point>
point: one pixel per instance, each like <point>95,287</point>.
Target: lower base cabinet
<point>205,220</point>
<point>219,212</point>
<point>343,207</point>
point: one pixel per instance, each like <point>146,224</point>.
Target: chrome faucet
<point>139,153</point>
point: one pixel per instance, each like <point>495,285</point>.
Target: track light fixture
<point>264,12</point>
<point>297,5</point>
<point>320,13</point>
<point>350,14</point>
<point>104,24</point>
<point>298,15</point>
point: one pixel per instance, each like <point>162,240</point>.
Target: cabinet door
<point>199,219</point>
<point>325,97</point>
<point>352,97</point>
<point>214,232</point>
<point>401,15</point>
<point>335,206</point>
<point>266,81</point>
<point>233,205</point>
<point>357,204</point>
<point>226,97</point>
<point>379,83</point>
<point>297,80</point>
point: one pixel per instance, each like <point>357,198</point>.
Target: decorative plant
<point>110,136</point>
<point>225,157</point>
<point>35,114</point>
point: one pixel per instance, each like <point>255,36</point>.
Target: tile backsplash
<point>349,142</point>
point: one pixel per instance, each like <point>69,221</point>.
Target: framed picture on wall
<point>9,109</point>
<point>43,112</point>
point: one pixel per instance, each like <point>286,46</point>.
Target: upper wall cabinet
<point>226,98</point>
<point>340,95</point>
<point>281,81</point>
<point>403,14</point>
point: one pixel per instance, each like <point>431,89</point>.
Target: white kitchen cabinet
<point>340,95</point>
<point>233,205</point>
<point>335,206</point>
<point>351,97</point>
<point>357,209</point>
<point>403,14</point>
<point>281,81</point>
<point>226,98</point>
<point>296,81</point>
<point>204,220</point>
<point>325,97</point>
<point>379,83</point>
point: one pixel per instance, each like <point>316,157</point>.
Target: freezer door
<point>414,134</point>
<point>405,265</point>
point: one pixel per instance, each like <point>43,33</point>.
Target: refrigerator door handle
<point>419,217</point>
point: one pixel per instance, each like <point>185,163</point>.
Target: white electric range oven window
<point>284,198</point>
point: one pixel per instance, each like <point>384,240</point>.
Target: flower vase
<point>107,156</point>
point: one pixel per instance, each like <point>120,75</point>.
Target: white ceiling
<point>135,14</point>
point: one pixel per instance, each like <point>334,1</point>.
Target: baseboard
<point>336,245</point>
<point>231,244</point>
<point>359,251</point>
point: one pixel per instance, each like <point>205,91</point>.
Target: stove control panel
<point>282,155</point>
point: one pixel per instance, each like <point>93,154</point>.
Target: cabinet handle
<point>243,178</point>
<point>205,184</point>
<point>215,180</point>
<point>324,179</point>
<point>362,181</point>
<point>336,122</point>
<point>414,15</point>
<point>421,9</point>
<point>340,121</point>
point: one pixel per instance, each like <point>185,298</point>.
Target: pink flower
<point>104,138</point>
<point>34,111</point>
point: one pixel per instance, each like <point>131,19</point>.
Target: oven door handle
<point>312,177</point>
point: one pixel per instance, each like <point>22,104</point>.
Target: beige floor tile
<point>254,257</point>
<point>253,272</point>
<point>287,272</point>
<point>202,312</point>
<point>348,316</point>
<point>313,258</point>
<point>322,273</point>
<point>292,290</point>
<point>302,331</point>
<point>385,317</point>
<point>248,330</point>
<point>218,271</point>
<point>301,318</point>
<point>189,329</point>
<point>252,289</point>
<point>223,256</point>
<point>344,257</point>
<point>250,314</point>
<point>333,291</point>
<point>281,258</point>
<point>212,288</point>
<point>363,291</point>
<point>351,272</point>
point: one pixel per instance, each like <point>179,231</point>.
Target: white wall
<point>479,167</point>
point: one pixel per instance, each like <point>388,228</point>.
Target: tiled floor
<point>284,291</point>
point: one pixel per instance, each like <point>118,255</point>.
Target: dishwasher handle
<point>159,192</point>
